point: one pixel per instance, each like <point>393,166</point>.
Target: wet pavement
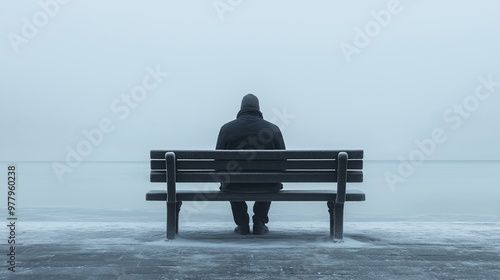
<point>116,248</point>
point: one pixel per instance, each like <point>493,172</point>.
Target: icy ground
<point>75,243</point>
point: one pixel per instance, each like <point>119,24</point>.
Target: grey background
<point>393,93</point>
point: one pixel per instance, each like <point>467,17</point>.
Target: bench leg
<point>179,204</point>
<point>336,211</point>
<point>332,218</point>
<point>171,221</point>
<point>339,222</point>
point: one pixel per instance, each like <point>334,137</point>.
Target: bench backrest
<point>257,166</point>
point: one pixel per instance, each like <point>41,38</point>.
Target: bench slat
<point>256,164</point>
<point>284,195</point>
<point>256,177</point>
<point>256,154</point>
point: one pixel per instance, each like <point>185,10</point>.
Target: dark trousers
<point>240,212</point>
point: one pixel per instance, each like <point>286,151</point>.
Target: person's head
<point>250,103</point>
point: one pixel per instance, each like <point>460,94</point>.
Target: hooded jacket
<point>249,131</point>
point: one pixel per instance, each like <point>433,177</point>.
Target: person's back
<point>249,131</point>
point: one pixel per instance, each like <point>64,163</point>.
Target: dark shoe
<point>243,230</point>
<point>260,228</point>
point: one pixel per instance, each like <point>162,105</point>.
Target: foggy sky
<point>78,70</point>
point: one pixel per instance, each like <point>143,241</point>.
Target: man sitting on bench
<point>249,131</point>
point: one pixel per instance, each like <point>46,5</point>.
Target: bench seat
<point>284,195</point>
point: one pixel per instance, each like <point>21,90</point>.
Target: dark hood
<point>250,105</point>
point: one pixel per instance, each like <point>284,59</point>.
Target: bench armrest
<point>171,177</point>
<point>341,177</point>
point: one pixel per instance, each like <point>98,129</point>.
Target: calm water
<point>435,188</point>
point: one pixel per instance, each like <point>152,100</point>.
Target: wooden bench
<point>257,166</point>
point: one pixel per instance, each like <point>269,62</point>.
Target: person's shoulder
<point>229,124</point>
<point>272,126</point>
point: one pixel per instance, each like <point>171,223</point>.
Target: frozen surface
<point>75,243</point>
